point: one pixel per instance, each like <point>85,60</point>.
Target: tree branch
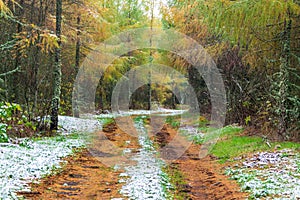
<point>10,72</point>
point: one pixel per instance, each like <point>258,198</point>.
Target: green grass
<point>145,118</point>
<point>106,121</point>
<point>177,181</point>
<point>59,138</point>
<point>231,145</point>
<point>225,131</point>
<point>211,133</point>
<point>237,145</point>
<point>173,121</point>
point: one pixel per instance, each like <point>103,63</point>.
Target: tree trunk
<point>151,54</point>
<point>284,79</point>
<point>56,70</point>
<point>77,62</point>
<point>16,88</point>
<point>193,80</point>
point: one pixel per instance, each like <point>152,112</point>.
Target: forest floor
<point>85,177</point>
<point>237,162</point>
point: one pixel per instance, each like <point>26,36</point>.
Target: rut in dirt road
<point>83,178</point>
<point>205,182</point>
<point>204,177</point>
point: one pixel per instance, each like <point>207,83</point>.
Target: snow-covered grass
<point>33,158</point>
<point>30,160</point>
<point>192,134</point>
<point>159,112</point>
<point>145,180</point>
<point>88,124</point>
<point>269,175</point>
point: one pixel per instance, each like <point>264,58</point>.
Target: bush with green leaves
<point>8,110</point>
<point>3,135</point>
<point>17,124</point>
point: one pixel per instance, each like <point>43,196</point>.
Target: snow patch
<point>146,179</point>
<point>30,159</point>
<point>269,175</point>
<point>20,165</point>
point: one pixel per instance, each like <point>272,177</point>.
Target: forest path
<point>205,178</point>
<point>85,177</point>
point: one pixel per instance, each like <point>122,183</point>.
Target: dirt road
<point>85,177</point>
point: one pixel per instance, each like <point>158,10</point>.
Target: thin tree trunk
<point>284,79</point>
<point>77,62</point>
<point>151,54</point>
<point>101,97</point>
<point>56,70</point>
<point>16,88</point>
<point>193,80</point>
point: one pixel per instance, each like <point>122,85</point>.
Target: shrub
<point>3,135</point>
<point>16,124</point>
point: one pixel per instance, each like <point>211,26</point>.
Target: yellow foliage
<point>4,10</point>
<point>202,119</point>
<point>48,42</point>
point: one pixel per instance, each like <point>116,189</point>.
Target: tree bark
<point>56,70</point>
<point>151,54</point>
<point>77,63</point>
<point>284,79</point>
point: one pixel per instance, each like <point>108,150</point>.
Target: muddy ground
<point>203,178</point>
<point>85,177</point>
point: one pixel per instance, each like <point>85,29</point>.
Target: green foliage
<point>248,16</point>
<point>7,110</point>
<point>173,121</point>
<point>256,34</point>
<point>17,124</point>
<point>106,121</point>
<point>197,139</point>
<point>30,125</point>
<point>141,118</point>
<point>27,143</point>
<point>247,120</point>
<point>292,92</point>
<point>3,136</point>
<point>4,10</point>
<point>60,138</point>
